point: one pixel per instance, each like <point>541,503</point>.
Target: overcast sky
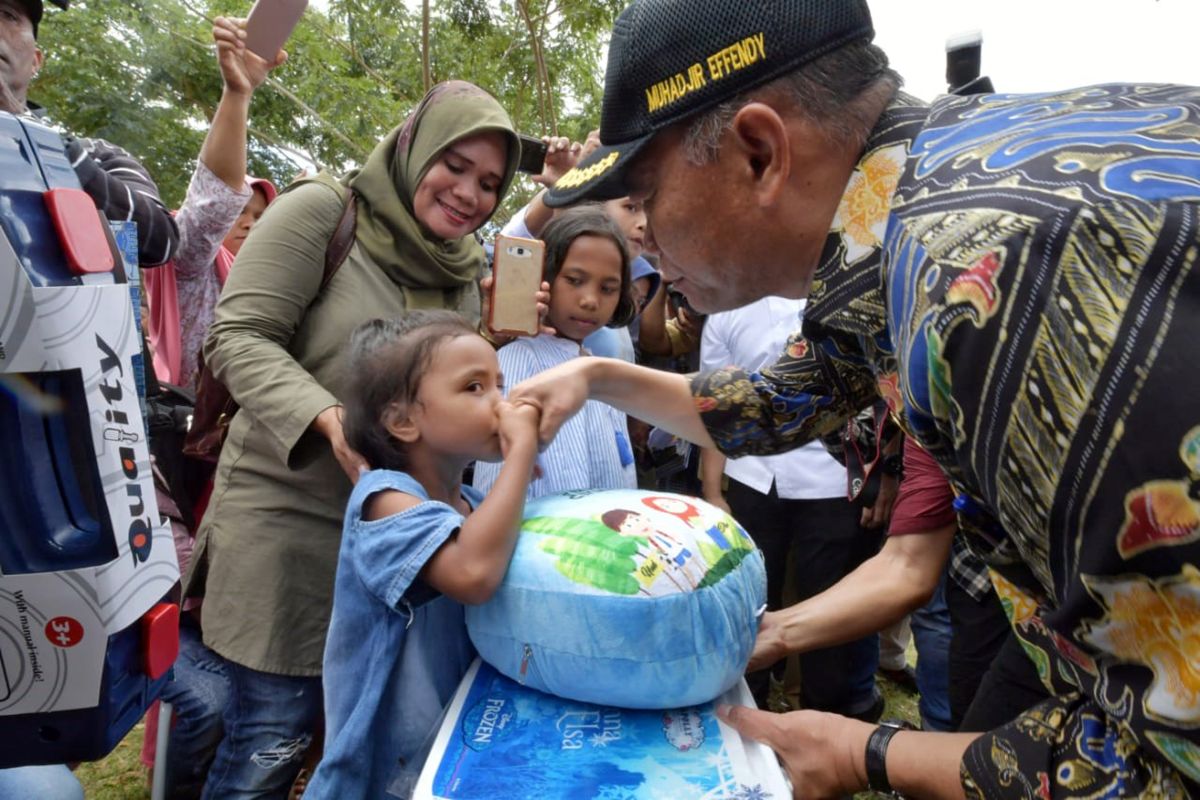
<point>1037,45</point>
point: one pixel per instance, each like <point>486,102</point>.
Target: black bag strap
<point>342,239</point>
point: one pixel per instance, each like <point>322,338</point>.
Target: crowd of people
<point>933,357</point>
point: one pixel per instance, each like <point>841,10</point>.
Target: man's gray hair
<point>840,92</point>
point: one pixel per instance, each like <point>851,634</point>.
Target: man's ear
<point>760,137</point>
<point>398,422</point>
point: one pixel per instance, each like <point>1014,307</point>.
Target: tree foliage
<point>142,74</point>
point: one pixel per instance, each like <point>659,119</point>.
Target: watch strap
<point>877,744</point>
<point>893,465</point>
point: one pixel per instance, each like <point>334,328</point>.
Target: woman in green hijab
<point>267,549</point>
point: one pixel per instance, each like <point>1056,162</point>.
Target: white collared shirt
<point>753,337</point>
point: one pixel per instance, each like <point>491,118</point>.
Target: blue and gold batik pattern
<point>1031,312</point>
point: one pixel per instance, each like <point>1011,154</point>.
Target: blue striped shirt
<point>591,451</point>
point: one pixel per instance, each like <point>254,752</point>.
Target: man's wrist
<point>856,745</point>
<point>875,759</point>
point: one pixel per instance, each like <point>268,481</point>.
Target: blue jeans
<point>199,695</point>
<point>269,723</point>
<point>931,632</point>
<point>52,782</point>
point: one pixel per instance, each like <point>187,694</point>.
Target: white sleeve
<point>714,345</point>
<point>516,225</point>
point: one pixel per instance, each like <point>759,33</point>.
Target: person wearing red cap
<point>1018,276</point>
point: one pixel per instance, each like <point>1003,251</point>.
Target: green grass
<point>120,775</point>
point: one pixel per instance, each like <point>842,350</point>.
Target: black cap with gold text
<point>670,59</point>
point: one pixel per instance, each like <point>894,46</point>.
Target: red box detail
<point>80,231</point>
<point>160,639</point>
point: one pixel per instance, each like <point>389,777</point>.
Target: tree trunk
<point>425,72</point>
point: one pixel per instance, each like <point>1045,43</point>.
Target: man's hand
<point>879,513</point>
<point>241,70</point>
<point>769,646</point>
<point>824,754</point>
<point>329,424</point>
<point>559,392</point>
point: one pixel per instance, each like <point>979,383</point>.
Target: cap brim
<point>263,185</point>
<point>600,176</point>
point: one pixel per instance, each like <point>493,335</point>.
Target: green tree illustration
<point>589,552</point>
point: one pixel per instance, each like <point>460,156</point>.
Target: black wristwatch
<point>877,744</point>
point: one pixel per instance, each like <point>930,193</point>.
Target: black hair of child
<point>588,220</point>
<point>388,358</point>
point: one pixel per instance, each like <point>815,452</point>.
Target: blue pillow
<point>625,598</point>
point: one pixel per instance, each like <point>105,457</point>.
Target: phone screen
<point>516,275</point>
<point>533,155</point>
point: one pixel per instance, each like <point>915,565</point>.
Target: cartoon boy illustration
<point>665,549</point>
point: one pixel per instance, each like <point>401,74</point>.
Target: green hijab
<point>386,183</point>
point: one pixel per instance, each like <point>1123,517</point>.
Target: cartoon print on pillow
<point>631,552</point>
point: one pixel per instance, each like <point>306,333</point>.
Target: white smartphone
<point>516,278</point>
<point>269,25</point>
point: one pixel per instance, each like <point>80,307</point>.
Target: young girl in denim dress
<point>425,400</point>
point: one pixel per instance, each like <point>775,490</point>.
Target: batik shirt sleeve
<point>811,391</point>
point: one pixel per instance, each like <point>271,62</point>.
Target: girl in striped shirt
<point>587,267</point>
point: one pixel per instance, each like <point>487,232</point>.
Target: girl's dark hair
<point>588,220</point>
<point>388,358</point>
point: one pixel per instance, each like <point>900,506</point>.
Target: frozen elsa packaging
<point>625,598</point>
